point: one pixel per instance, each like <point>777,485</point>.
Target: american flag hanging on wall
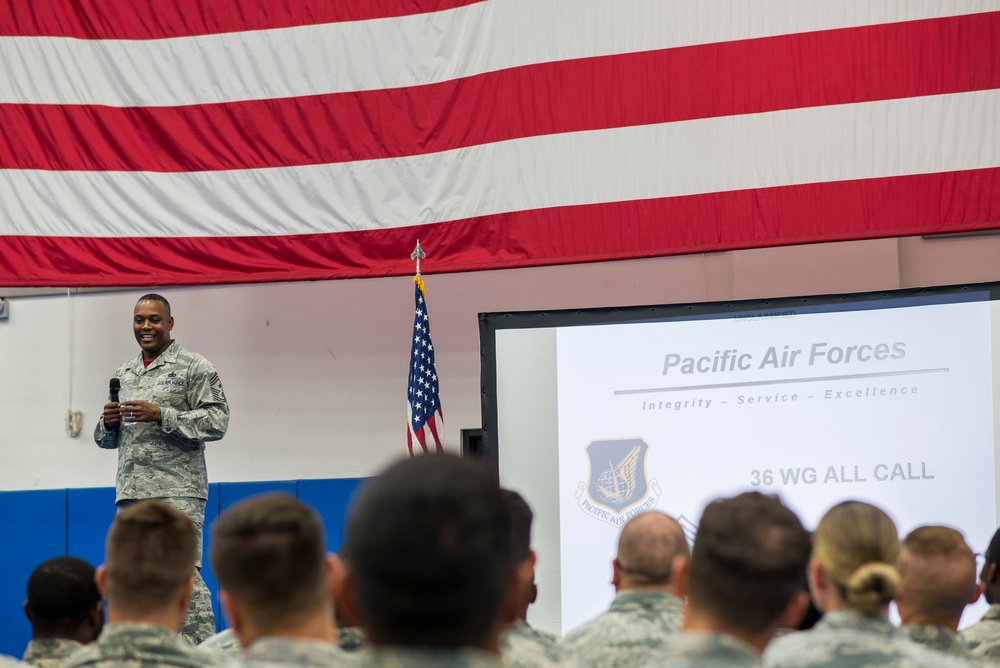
<point>267,140</point>
<point>425,423</point>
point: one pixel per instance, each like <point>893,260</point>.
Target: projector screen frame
<point>491,322</point>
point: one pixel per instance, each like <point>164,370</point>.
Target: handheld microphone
<point>116,386</point>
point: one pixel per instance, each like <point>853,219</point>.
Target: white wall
<point>316,372</point>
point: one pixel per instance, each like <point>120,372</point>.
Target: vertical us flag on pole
<point>425,424</point>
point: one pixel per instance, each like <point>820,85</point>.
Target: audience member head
<point>652,550</point>
<point>521,518</point>
<point>63,601</point>
<point>990,573</point>
<point>855,561</point>
<point>431,556</point>
<point>269,555</point>
<point>938,572</point>
<point>746,571</point>
<point>148,574</point>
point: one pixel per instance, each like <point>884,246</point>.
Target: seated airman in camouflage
<point>744,583</point>
<point>648,576</point>
<point>521,645</point>
<point>431,568</point>
<point>64,609</point>
<point>987,630</point>
<point>853,576</point>
<point>269,555</point>
<point>147,579</point>
<point>938,573</point>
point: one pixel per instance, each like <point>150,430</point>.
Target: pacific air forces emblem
<point>618,488</point>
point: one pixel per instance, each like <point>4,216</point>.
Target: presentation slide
<point>887,401</point>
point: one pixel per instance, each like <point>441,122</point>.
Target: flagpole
<point>418,254</point>
<point>425,423</point>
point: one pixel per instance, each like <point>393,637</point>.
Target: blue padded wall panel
<point>330,498</point>
<point>231,492</point>
<point>33,526</point>
<point>90,512</point>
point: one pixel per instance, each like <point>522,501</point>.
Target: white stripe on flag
<point>410,50</point>
<point>820,144</point>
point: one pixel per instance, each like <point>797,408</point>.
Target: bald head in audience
<point>938,573</point>
<point>651,551</point>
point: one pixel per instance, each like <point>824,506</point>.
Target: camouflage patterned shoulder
<point>523,647</point>
<point>696,650</point>
<point>50,652</point>
<point>133,645</point>
<point>938,639</point>
<point>989,649</point>
<point>398,657</point>
<point>985,630</point>
<point>847,639</point>
<point>273,651</point>
<point>224,643</point>
<point>630,632</point>
<point>351,639</point>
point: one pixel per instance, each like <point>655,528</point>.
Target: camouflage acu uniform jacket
<point>266,652</point>
<point>986,629</point>
<point>50,652</point>
<point>134,645</point>
<point>711,650</point>
<point>222,644</point>
<point>941,640</point>
<point>629,633</point>
<point>424,657</point>
<point>524,647</point>
<point>850,639</point>
<point>168,459</point>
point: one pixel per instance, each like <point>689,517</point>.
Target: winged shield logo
<point>617,472</point>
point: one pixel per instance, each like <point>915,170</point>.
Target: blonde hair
<point>857,546</point>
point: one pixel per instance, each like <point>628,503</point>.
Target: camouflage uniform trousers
<point>200,622</point>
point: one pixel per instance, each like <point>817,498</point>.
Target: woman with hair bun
<point>853,576</point>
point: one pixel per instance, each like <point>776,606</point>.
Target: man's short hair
<point>432,560</point>
<point>647,547</point>
<point>61,593</point>
<point>942,576</point>
<point>521,517</point>
<point>151,552</point>
<point>153,297</point>
<point>749,556</point>
<point>993,550</point>
<point>269,553</point>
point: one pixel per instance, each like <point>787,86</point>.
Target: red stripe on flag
<point>816,212</point>
<point>901,60</point>
<point>158,19</point>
